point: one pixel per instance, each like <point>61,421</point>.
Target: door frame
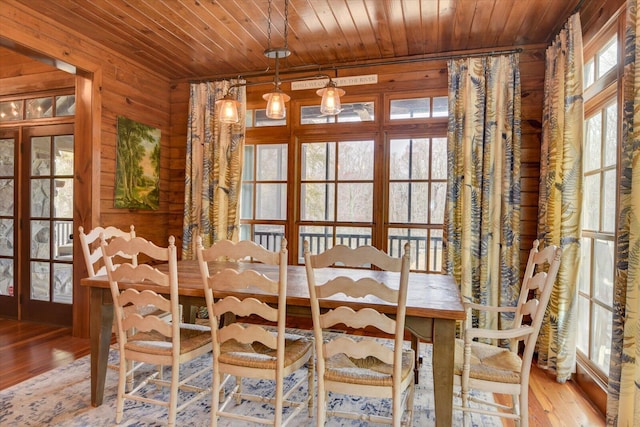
<point>31,309</point>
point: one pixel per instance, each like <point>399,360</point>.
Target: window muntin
<point>352,112</point>
<point>8,148</point>
<point>261,119</point>
<point>417,195</point>
<point>263,205</point>
<point>418,108</point>
<point>337,181</point>
<point>607,57</point>
<point>37,108</point>
<point>11,110</point>
<point>65,105</point>
<point>341,191</point>
<point>596,278</point>
<point>589,74</point>
<point>413,108</point>
<point>440,106</point>
<point>603,61</point>
<point>601,337</point>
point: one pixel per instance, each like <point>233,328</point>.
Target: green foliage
<point>138,146</point>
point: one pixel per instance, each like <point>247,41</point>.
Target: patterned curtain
<point>623,404</point>
<point>482,221</point>
<point>560,199</point>
<point>213,168</point>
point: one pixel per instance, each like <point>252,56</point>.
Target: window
<point>419,108</point>
<point>258,118</point>
<point>595,293</point>
<point>263,208</point>
<point>351,179</point>
<point>336,193</point>
<point>357,112</point>
<point>599,211</point>
<point>417,194</point>
<point>37,108</point>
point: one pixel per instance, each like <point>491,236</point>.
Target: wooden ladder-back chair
<point>487,367</point>
<point>93,258</point>
<point>148,338</point>
<point>362,367</point>
<point>252,351</point>
<point>94,262</point>
<point>92,251</point>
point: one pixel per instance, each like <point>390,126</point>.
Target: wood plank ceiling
<point>186,39</point>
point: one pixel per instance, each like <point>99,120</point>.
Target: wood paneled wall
<point>121,87</point>
<point>400,78</point>
<point>20,74</point>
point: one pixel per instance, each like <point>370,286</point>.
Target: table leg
<point>443,354</point>
<point>415,346</point>
<point>100,321</point>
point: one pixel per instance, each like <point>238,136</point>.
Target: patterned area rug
<point>61,397</point>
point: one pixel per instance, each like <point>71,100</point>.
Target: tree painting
<point>137,165</point>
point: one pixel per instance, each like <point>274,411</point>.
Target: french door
<point>36,223</point>
<point>9,143</point>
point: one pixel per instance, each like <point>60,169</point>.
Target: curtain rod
<point>577,8</point>
<point>318,69</point>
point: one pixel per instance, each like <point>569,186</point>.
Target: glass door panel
<point>49,210</point>
<point>8,170</point>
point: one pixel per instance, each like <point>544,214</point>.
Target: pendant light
<point>330,105</point>
<point>228,109</point>
<point>276,99</point>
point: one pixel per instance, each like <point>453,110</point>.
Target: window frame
<point>597,97</point>
<point>379,130</point>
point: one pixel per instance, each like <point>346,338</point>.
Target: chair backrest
<point>239,275</point>
<point>93,259</point>
<point>122,279</point>
<point>395,294</point>
<point>535,291</point>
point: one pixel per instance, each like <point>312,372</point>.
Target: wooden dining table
<point>434,305</point>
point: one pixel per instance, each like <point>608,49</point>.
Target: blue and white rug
<point>61,397</point>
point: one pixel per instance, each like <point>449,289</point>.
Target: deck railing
<point>318,242</point>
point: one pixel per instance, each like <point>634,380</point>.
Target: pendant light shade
<point>276,100</point>
<point>228,109</point>
<point>330,105</point>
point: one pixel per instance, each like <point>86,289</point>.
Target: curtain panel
<point>482,220</point>
<point>623,404</point>
<point>213,169</point>
<point>560,198</point>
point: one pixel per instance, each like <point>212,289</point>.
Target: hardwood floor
<point>29,349</point>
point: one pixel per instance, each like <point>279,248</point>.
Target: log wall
<point>392,79</point>
<point>118,86</point>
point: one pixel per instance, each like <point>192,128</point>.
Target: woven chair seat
<point>486,367</point>
<point>237,350</point>
<point>257,355</point>
<point>150,339</point>
<point>367,371</point>
<point>489,362</point>
<point>191,337</point>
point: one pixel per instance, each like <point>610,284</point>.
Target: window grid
<point>37,108</point>
<point>422,232</point>
<point>596,279</point>
<point>255,224</point>
<point>345,186</point>
<point>332,224</point>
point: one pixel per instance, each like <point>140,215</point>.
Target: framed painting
<point>137,166</point>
